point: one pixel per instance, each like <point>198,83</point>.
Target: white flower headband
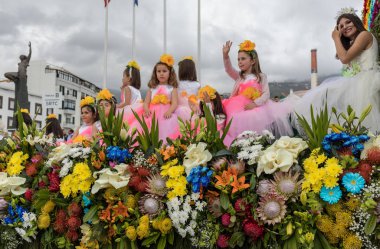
<point>347,10</point>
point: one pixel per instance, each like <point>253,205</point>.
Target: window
<point>62,89</point>
<point>10,123</point>
<point>75,93</point>
<point>1,102</point>
<point>59,117</point>
<point>73,120</point>
<point>49,111</point>
<point>82,95</point>
<point>69,104</point>
<point>39,124</point>
<point>68,92</point>
<point>38,109</point>
<point>11,104</point>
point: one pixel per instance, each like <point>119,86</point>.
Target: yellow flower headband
<point>207,89</point>
<point>133,64</point>
<point>247,46</point>
<point>104,94</point>
<point>87,101</point>
<point>52,115</point>
<point>167,59</point>
<point>24,111</point>
<point>187,58</point>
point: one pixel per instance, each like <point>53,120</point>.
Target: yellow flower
<point>87,101</point>
<point>187,58</point>
<point>14,166</point>
<point>251,93</point>
<point>80,180</point>
<point>352,242</point>
<point>332,167</point>
<point>353,203</point>
<point>309,237</point>
<point>104,94</point>
<point>247,45</point>
<point>330,181</point>
<point>43,221</point>
<point>24,111</point>
<point>142,231</point>
<point>48,207</point>
<point>131,201</point>
<point>130,232</point>
<point>167,59</point>
<point>334,208</point>
<point>144,220</point>
<point>165,225</point>
<point>133,64</point>
<point>51,115</point>
<point>160,99</point>
<point>339,231</point>
<point>343,218</point>
<point>321,159</point>
<point>325,224</point>
<point>207,89</point>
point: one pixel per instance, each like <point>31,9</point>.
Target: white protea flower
<point>286,184</point>
<point>271,209</point>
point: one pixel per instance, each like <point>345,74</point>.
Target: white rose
<point>291,144</point>
<point>196,155</point>
<point>273,160</point>
<point>108,178</point>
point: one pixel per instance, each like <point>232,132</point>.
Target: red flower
<point>373,156</point>
<point>31,170</point>
<point>252,229</point>
<point>222,241</point>
<point>29,194</point>
<point>226,219</point>
<point>54,182</point>
<point>143,172</point>
<point>41,184</point>
<point>142,186</point>
<point>74,209</point>
<point>59,226</point>
<point>134,181</point>
<point>72,235</point>
<point>240,205</point>
<point>74,223</point>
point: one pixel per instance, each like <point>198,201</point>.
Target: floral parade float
<point>128,189</point>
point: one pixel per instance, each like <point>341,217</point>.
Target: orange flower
<point>226,177</point>
<point>251,93</point>
<point>97,164</point>
<point>120,210</point>
<point>168,152</point>
<point>167,59</point>
<point>183,94</point>
<point>239,184</point>
<point>105,214</point>
<point>247,45</point>
<point>193,99</point>
<point>102,156</point>
<point>160,99</point>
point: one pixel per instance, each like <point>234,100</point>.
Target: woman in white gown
<point>357,49</point>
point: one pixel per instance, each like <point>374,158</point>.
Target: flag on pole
<point>136,2</point>
<point>106,2</point>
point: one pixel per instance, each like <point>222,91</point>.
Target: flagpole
<point>199,41</point>
<point>134,30</point>
<point>165,27</point>
<point>104,85</point>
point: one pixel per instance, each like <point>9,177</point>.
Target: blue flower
<point>117,154</point>
<point>86,199</point>
<point>353,182</point>
<point>199,177</point>
<point>363,138</point>
<point>331,195</point>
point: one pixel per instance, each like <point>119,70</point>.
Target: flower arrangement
<point>160,99</point>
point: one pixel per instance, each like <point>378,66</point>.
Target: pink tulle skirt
<point>272,116</point>
<point>128,116</point>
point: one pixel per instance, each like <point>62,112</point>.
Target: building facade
<point>47,80</point>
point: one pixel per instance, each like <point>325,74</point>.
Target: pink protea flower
<point>219,164</point>
<point>265,187</point>
<point>238,165</point>
<point>271,209</point>
<point>29,194</point>
<point>54,182</point>
<point>214,207</point>
<point>253,229</point>
<point>286,184</point>
<point>226,219</point>
<point>222,241</point>
<point>156,185</point>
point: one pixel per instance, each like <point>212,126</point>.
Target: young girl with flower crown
<point>211,98</point>
<point>162,98</point>
<point>130,93</point>
<point>249,105</point>
<point>187,88</point>
<point>89,117</point>
<point>105,101</point>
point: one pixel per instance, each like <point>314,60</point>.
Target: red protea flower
<point>365,170</point>
<point>373,155</point>
<point>41,184</point>
<point>222,241</point>
<point>74,209</point>
<point>72,235</point>
<point>143,172</point>
<point>134,181</point>
<point>252,229</point>
<point>54,182</point>
<point>240,205</point>
<point>226,219</point>
<point>59,226</point>
<point>61,215</point>
<point>29,194</point>
<point>73,223</point>
<point>31,169</point>
<point>142,187</point>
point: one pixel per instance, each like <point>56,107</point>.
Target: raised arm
<point>233,73</point>
<point>30,52</point>
<point>362,41</point>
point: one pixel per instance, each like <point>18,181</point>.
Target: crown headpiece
<point>347,10</point>
<point>24,111</point>
<point>167,59</point>
<point>133,64</point>
<point>104,94</point>
<point>247,46</point>
<point>87,101</point>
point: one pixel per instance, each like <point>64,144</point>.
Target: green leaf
<point>323,241</point>
<point>171,237</point>
<point>236,238</point>
<point>224,201</point>
<point>370,225</point>
<point>162,242</point>
<point>365,113</point>
<point>151,239</point>
<point>90,214</point>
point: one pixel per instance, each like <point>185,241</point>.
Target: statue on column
<point>20,79</point>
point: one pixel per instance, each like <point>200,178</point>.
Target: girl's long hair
<point>255,69</point>
<point>135,77</point>
<point>172,77</point>
<point>346,42</point>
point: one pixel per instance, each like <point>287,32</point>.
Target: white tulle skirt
<point>339,92</point>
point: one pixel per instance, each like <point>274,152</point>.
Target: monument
<point>20,79</point>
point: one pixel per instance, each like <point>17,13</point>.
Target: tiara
<point>87,101</point>
<point>24,111</point>
<point>247,46</point>
<point>104,94</point>
<point>167,59</point>
<point>187,58</point>
<point>133,64</point>
<point>346,10</point>
<point>52,115</point>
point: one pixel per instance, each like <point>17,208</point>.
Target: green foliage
<point>349,122</point>
<point>148,139</point>
<point>318,128</point>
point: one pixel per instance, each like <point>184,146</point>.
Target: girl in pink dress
<point>89,117</point>
<point>162,98</point>
<point>249,106</point>
<point>187,89</point>
<point>130,93</point>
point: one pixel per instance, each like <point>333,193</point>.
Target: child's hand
<point>206,97</point>
<point>226,48</point>
<point>168,115</point>
<point>147,113</point>
<point>250,106</point>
